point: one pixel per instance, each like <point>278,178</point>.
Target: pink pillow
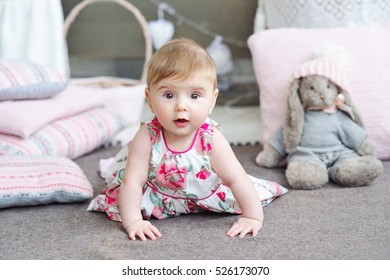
<point>34,180</point>
<point>26,80</point>
<point>70,137</point>
<point>24,117</point>
<point>125,97</point>
<point>277,52</point>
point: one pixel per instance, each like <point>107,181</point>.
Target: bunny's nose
<point>322,96</point>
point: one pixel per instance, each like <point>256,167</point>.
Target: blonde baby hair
<point>178,59</point>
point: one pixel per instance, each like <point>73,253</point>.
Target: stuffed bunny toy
<point>322,136</point>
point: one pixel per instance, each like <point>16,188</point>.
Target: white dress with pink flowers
<point>178,182</point>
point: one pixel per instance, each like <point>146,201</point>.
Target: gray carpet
<point>330,223</point>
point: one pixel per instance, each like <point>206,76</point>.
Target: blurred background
<point>106,39</point>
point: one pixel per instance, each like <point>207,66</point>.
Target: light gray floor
<point>330,223</point>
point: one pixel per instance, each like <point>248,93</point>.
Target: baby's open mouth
<point>181,120</point>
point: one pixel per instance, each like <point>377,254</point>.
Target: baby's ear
<point>215,94</point>
<point>214,100</point>
<point>148,99</point>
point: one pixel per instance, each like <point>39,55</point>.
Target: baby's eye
<point>168,95</point>
<point>195,95</point>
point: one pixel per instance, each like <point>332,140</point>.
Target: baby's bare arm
<point>130,192</point>
<point>232,173</point>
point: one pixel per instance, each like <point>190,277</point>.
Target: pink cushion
<point>33,180</point>
<point>125,97</point>
<point>277,52</point>
<point>24,117</point>
<point>70,137</point>
<point>25,80</point>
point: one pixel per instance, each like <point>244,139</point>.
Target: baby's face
<point>182,105</point>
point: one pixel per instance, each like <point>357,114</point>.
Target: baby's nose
<point>180,105</point>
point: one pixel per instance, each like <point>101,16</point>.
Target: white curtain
<point>32,30</point>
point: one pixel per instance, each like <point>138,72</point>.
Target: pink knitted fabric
<point>327,67</point>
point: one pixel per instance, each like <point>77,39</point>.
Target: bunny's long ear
<point>293,124</point>
<point>348,101</point>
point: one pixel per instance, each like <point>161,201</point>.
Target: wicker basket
<point>112,81</point>
<point>122,96</point>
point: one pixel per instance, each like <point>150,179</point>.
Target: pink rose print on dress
<point>112,195</point>
<point>170,176</point>
<point>154,130</point>
<point>221,195</point>
<point>205,126</point>
<point>111,216</point>
<point>206,137</point>
<point>110,200</point>
<point>158,212</point>
<point>203,174</point>
<point>191,206</point>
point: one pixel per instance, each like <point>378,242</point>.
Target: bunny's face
<point>317,91</point>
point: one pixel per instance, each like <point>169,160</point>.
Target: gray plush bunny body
<point>322,138</point>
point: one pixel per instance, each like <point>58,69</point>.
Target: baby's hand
<point>243,226</point>
<point>142,229</point>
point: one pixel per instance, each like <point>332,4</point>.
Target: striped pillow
<point>24,80</point>
<point>24,117</point>
<point>34,180</point>
<point>70,137</point>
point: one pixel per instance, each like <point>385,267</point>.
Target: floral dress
<point>178,182</point>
